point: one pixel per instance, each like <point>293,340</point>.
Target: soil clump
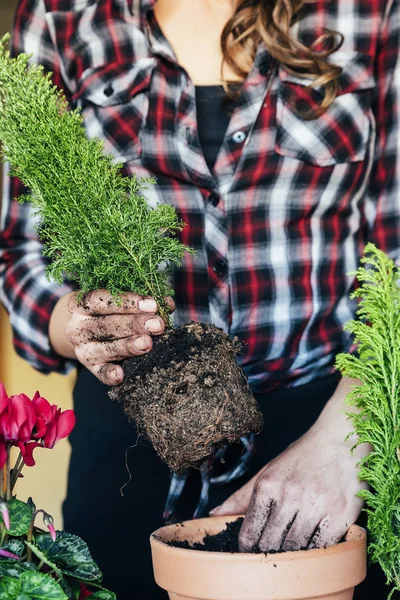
<point>188,395</point>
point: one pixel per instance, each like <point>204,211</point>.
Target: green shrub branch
<point>95,223</point>
<point>377,421</point>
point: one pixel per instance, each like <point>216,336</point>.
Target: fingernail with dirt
<point>141,344</point>
<point>153,326</point>
<point>148,305</point>
<point>115,375</point>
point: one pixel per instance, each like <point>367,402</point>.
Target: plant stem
<point>30,536</point>
<point>4,481</point>
<point>19,465</point>
<point>30,532</point>
<point>8,473</point>
<point>1,483</point>
<point>3,535</point>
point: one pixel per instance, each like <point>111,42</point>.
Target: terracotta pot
<point>329,574</point>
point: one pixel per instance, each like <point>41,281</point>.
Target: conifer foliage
<point>95,223</point>
<point>377,420</point>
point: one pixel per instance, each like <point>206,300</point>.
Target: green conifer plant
<point>84,204</point>
<point>376,331</point>
<point>188,395</point>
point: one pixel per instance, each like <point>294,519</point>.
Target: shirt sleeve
<point>383,196</point>
<point>27,295</point>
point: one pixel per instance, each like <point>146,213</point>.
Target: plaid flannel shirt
<point>289,207</point>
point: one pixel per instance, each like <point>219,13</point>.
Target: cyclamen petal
<point>3,398</point>
<point>66,423</point>
<point>7,425</point>
<point>17,420</point>
<point>8,554</point>
<point>60,427</point>
<point>3,454</point>
<point>49,522</point>
<point>27,452</point>
<point>44,415</point>
<point>40,428</point>
<point>52,531</point>
<point>24,416</point>
<point>42,407</point>
<point>49,439</point>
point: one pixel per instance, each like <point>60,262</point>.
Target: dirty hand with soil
<point>306,497</point>
<point>100,333</point>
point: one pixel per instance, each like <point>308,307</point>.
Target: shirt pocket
<point>341,134</point>
<point>114,100</point>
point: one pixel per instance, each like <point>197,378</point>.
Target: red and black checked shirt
<point>290,205</point>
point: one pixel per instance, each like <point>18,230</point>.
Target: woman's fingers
<point>112,327</point>
<point>170,303</point>
<point>330,531</point>
<point>108,373</point>
<point>257,515</point>
<point>280,518</point>
<point>104,330</point>
<point>100,357</point>
<point>300,533</point>
<point>101,302</point>
<point>98,353</point>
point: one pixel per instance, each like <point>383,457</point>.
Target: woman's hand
<point>102,333</point>
<point>306,497</point>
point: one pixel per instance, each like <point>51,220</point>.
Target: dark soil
<point>188,395</point>
<point>226,540</point>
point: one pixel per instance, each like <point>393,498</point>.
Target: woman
<point>280,186</point>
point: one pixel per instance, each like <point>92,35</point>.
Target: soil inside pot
<point>226,540</point>
<point>188,395</point>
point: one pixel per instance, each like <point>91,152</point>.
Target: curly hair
<point>270,21</point>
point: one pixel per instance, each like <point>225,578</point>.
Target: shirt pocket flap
<point>341,133</point>
<point>114,100</point>
<point>357,73</point>
<point>114,84</point>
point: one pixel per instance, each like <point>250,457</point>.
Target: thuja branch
<point>377,420</point>
<point>96,226</point>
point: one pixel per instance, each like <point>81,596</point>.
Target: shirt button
<point>239,137</point>
<point>220,268</point>
<point>188,135</point>
<point>213,198</point>
<point>108,91</point>
<point>264,68</point>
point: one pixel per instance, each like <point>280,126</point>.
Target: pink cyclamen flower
<point>49,522</point>
<point>31,423</point>
<point>17,420</point>
<point>54,425</point>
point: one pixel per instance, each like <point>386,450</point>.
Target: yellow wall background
<point>46,482</point>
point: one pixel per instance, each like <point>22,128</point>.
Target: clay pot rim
<point>354,537</point>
